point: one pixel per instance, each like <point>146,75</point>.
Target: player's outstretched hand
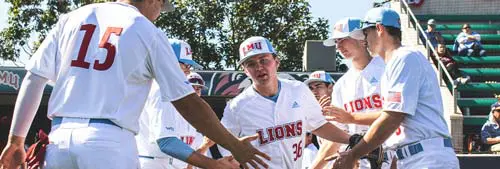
<point>248,154</point>
<point>333,113</point>
<point>325,101</point>
<point>13,157</point>
<point>227,163</point>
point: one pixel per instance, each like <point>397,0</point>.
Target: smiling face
<point>349,47</point>
<point>261,68</point>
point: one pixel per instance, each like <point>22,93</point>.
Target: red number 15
<point>110,56</point>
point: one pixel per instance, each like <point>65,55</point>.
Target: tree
<point>214,29</point>
<point>32,18</point>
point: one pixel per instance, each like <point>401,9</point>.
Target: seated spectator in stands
<point>490,132</point>
<point>469,42</point>
<point>445,57</point>
<point>434,36</point>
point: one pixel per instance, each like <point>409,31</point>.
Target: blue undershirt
<point>174,147</point>
<point>275,97</point>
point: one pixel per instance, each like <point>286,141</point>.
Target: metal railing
<point>431,53</point>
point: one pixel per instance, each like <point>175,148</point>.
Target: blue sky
<point>329,9</point>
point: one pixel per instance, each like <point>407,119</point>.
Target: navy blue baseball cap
<point>381,15</point>
<point>495,106</point>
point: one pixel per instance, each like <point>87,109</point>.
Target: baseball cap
<point>196,80</point>
<point>183,53</point>
<point>319,76</point>
<point>431,22</point>
<point>342,29</point>
<point>381,15</point>
<point>168,6</point>
<point>253,46</point>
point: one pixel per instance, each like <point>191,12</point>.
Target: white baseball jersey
<point>359,91</point>
<point>158,120</point>
<point>102,58</point>
<point>189,135</point>
<point>281,125</point>
<point>409,85</point>
<point>161,119</point>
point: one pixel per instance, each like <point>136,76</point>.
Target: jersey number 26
<point>110,56</point>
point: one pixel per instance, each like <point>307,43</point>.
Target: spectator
<point>469,42</point>
<point>490,132</point>
<point>434,36</point>
<point>445,57</point>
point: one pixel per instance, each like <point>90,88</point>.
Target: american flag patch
<point>394,97</point>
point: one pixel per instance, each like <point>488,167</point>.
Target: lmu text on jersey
<point>369,102</point>
<point>280,132</point>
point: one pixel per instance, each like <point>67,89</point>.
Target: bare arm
<point>333,113</point>
<point>202,161</point>
<point>327,148</point>
<point>365,118</point>
<point>379,131</point>
<point>333,133</point>
<point>199,114</point>
<point>492,140</point>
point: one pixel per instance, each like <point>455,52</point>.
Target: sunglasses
<point>367,23</point>
<point>466,28</point>
<point>196,81</point>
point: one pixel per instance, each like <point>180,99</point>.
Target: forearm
<point>327,148</point>
<point>492,140</point>
<point>365,118</point>
<point>199,160</point>
<point>201,116</point>
<point>28,100</point>
<point>333,133</point>
<point>379,131</point>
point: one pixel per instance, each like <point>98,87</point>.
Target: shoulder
<point>406,54</point>
<point>293,85</point>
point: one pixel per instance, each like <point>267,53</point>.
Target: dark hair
<point>394,32</point>
<point>466,26</point>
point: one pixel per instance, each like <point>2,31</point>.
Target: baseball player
<point>278,111</point>
<point>102,59</point>
<point>358,90</point>
<point>161,122</point>
<point>320,83</point>
<point>412,109</point>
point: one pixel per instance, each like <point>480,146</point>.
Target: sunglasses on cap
<point>196,81</point>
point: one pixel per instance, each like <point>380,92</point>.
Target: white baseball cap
<point>319,76</point>
<point>254,46</point>
<point>183,53</point>
<point>196,80</point>
<point>168,6</point>
<point>342,29</point>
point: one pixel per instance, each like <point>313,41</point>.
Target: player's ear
<point>379,28</point>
